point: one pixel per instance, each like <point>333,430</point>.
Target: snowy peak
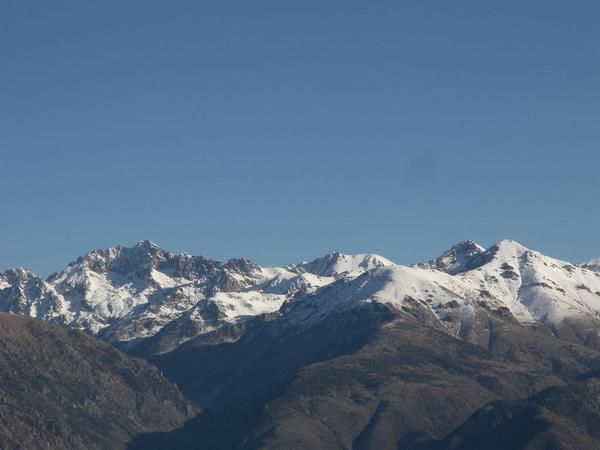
<point>535,287</point>
<point>23,292</point>
<point>21,282</point>
<point>457,259</point>
<point>141,257</point>
<point>336,264</point>
<point>468,255</point>
<point>17,275</point>
<point>146,260</point>
<point>242,266</point>
<point>508,255</point>
<point>394,285</point>
<point>508,276</point>
<point>507,249</point>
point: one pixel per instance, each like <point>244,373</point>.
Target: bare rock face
<point>61,389</point>
<point>459,258</point>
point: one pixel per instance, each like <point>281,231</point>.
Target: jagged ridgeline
<point>149,301</point>
<point>346,351</point>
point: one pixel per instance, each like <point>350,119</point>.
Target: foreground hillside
<point>560,417</point>
<point>61,389</point>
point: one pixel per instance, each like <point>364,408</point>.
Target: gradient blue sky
<point>281,130</point>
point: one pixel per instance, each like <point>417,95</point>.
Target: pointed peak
<point>468,246</point>
<point>97,258</point>
<point>243,264</point>
<point>505,251</point>
<point>511,244</point>
<point>20,271</point>
<point>18,275</point>
<point>507,248</point>
<point>121,258</point>
<point>146,244</point>
<point>456,259</point>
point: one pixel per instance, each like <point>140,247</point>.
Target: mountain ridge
<point>146,299</point>
<point>345,351</point>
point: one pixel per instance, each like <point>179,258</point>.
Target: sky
<point>282,130</point>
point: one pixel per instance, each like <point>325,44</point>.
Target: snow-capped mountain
<point>465,282</point>
<point>456,259</point>
<point>23,292</point>
<point>336,264</point>
<point>127,295</point>
<point>144,294</point>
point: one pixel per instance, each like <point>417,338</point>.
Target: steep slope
<point>61,389</point>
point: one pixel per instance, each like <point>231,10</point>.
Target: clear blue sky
<point>281,130</point>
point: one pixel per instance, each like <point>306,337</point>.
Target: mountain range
<point>346,351</point>
<point>144,297</point>
<point>149,301</point>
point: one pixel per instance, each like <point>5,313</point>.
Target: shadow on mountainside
<point>233,382</point>
<point>370,377</point>
<point>557,418</point>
